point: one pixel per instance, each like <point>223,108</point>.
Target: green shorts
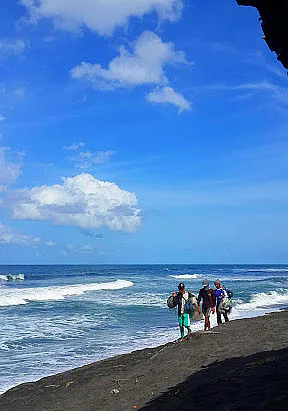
<point>183,320</point>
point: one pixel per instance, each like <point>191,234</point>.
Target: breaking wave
<point>253,279</point>
<point>265,300</point>
<point>12,277</point>
<point>262,270</point>
<point>184,276</point>
<point>24,296</point>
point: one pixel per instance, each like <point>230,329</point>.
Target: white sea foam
<point>264,300</point>
<point>262,270</point>
<point>269,270</point>
<point>23,296</point>
<point>11,277</point>
<point>139,300</point>
<point>249,279</point>
<point>184,276</point>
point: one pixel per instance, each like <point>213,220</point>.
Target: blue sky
<point>145,132</point>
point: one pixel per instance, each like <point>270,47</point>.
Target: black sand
<point>241,365</point>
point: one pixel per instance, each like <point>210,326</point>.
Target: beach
<point>240,365</point>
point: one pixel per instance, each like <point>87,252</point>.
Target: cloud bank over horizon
<point>81,201</point>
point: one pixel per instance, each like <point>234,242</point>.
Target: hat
<point>205,283</point>
<point>181,286</point>
<point>217,282</point>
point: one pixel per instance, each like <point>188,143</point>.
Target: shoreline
<point>144,376</point>
<point>142,346</point>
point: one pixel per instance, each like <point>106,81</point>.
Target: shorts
<point>183,320</point>
<point>207,311</point>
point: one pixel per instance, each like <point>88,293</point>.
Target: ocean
<point>54,318</point>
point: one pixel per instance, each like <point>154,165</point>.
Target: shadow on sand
<point>256,382</point>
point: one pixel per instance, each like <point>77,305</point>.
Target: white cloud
<point>8,236</point>
<point>2,118</point>
<point>102,16</point>
<point>50,244</point>
<point>10,47</point>
<point>165,95</point>
<point>9,170</point>
<point>142,65</point>
<point>276,92</point>
<point>81,201</point>
<point>75,146</point>
<point>86,160</point>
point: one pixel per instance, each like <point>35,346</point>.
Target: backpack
<point>190,304</point>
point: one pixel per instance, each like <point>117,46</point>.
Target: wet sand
<point>241,365</point>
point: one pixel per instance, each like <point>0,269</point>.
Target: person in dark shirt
<point>180,299</point>
<point>220,293</point>
<point>208,298</point>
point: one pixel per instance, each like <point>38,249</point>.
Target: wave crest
<point>12,277</point>
<point>183,276</point>
<point>265,300</point>
<point>24,296</point>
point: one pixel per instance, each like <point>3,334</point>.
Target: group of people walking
<point>211,300</point>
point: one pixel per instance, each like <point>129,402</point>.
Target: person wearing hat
<point>180,299</point>
<point>209,302</point>
<point>220,293</point>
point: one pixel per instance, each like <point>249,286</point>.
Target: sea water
<point>54,318</point>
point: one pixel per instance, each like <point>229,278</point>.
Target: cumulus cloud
<point>10,47</point>
<point>81,201</point>
<point>102,16</point>
<point>87,160</point>
<point>144,64</point>
<point>8,236</point>
<point>166,95</point>
<point>9,169</point>
<point>75,146</point>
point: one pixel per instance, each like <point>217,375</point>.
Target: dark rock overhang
<point>274,22</point>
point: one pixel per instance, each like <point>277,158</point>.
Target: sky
<point>148,132</point>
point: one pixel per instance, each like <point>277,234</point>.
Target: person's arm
<point>199,300</point>
<point>175,298</point>
<point>213,301</point>
<point>199,297</point>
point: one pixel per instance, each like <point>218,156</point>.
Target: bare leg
<point>207,323</point>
